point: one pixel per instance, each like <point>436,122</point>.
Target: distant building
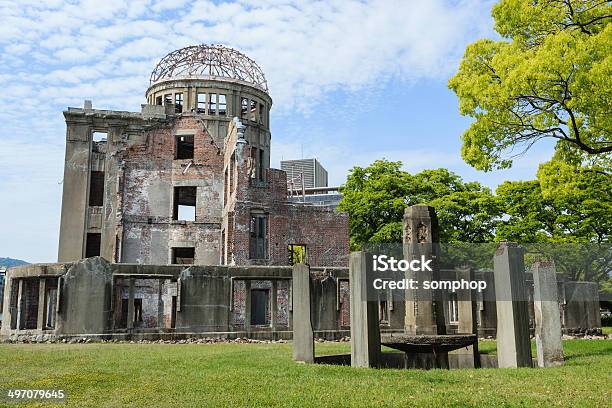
<point>313,172</point>
<point>328,197</point>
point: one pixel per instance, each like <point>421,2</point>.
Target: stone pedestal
<point>547,315</point>
<point>365,330</point>
<point>513,345</point>
<point>303,340</point>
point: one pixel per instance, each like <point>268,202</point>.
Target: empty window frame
<point>137,310</point>
<point>50,302</point>
<point>232,176</point>
<point>99,136</point>
<point>258,236</point>
<point>92,244</point>
<point>29,304</point>
<point>453,308</point>
<point>222,107</point>
<point>184,147</point>
<point>297,254</point>
<point>244,107</point>
<point>184,203</point>
<point>253,164</point>
<point>383,311</point>
<point>253,111</point>
<point>212,104</point>
<point>183,256</point>
<point>96,188</point>
<point>201,102</point>
<point>260,165</point>
<point>167,99</point>
<point>178,102</point>
<point>260,307</point>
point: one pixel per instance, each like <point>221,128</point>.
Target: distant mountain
<point>11,262</point>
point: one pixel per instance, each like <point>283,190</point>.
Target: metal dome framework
<point>214,61</point>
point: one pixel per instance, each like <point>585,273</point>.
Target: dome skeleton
<point>209,61</point>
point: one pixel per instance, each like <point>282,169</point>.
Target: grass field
<point>173,375</point>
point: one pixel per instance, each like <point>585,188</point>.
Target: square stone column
<point>365,330</point>
<point>513,344</point>
<point>424,308</point>
<point>547,315</point>
<point>303,338</point>
<point>468,323</point>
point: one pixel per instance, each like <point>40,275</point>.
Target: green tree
<point>563,215</point>
<point>375,198</point>
<point>550,76</point>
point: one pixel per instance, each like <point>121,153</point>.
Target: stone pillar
<point>513,345</point>
<point>160,304</point>
<point>247,306</point>
<point>468,323</point>
<point>303,338</point>
<point>365,330</point>
<point>112,211</point>
<point>20,323</point>
<point>40,322</point>
<point>424,308</point>
<point>547,315</point>
<point>274,305</point>
<point>73,222</point>
<point>130,308</point>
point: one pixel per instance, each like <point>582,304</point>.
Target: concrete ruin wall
<point>92,297</point>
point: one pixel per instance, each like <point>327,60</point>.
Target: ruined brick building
<point>188,179</point>
<point>174,225</point>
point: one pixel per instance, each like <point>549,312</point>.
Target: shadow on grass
<point>606,350</point>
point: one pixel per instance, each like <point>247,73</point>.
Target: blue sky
<point>352,81</point>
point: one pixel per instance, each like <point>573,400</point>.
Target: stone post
<point>247,307</point>
<point>424,308</point>
<point>513,344</point>
<point>130,307</point>
<point>468,323</point>
<point>303,339</point>
<point>42,289</point>
<point>365,330</point>
<point>547,315</point>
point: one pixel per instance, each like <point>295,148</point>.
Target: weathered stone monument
<point>547,315</point>
<point>424,308</point>
<point>365,330</point>
<point>303,339</point>
<point>513,345</point>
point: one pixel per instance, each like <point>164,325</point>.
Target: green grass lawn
<point>172,375</point>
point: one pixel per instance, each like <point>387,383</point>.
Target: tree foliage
<point>375,198</point>
<point>564,214</point>
<point>549,77</point>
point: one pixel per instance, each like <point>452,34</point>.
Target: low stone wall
<point>97,300</point>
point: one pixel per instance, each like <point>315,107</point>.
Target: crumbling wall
<point>151,173</point>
